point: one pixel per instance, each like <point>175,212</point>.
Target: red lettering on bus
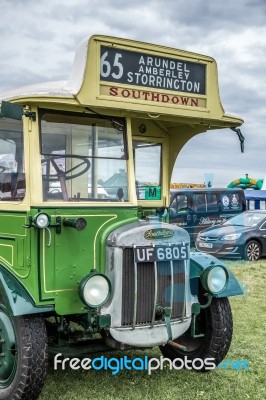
<point>146,95</point>
<point>158,97</point>
<point>155,97</point>
<point>184,100</point>
<point>133,94</point>
<point>113,91</point>
<point>165,98</point>
<point>175,100</point>
<point>125,93</point>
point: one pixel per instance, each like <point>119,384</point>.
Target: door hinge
<point>30,114</point>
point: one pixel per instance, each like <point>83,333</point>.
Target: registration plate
<point>206,245</point>
<point>161,253</point>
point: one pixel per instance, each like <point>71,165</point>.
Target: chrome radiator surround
<point>138,294</point>
<point>144,336</point>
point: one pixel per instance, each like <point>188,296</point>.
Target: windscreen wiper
<point>116,124</point>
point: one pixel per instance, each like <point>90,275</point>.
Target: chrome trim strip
<point>155,294</point>
<point>172,287</point>
<point>185,291</point>
<point>135,295</point>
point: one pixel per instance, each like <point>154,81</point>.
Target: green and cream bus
<point>88,260</point>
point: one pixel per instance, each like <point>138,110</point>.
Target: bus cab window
<point>12,176</point>
<point>147,157</point>
<point>83,158</point>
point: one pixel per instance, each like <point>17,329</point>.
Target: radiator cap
<point>152,218</point>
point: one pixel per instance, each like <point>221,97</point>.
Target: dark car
<point>243,236</point>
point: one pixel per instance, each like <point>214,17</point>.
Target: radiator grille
<point>151,281</point>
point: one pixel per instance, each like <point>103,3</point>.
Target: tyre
<point>23,356</point>
<point>216,323</point>
<point>252,251</point>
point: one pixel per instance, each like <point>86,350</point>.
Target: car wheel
<point>216,323</point>
<point>252,251</point>
<point>23,356</point>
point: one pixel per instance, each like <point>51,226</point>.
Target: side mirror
<point>15,111</point>
<point>10,110</point>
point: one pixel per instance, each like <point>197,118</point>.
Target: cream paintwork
<point>177,124</point>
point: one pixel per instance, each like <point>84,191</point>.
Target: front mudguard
<point>15,297</point>
<point>199,262</point>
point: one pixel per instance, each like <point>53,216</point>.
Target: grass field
<point>248,343</point>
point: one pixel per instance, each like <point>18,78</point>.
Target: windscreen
<point>246,219</point>
<point>84,158</point>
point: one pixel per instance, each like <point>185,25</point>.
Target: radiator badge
<point>159,233</point>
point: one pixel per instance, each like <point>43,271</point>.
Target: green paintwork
<point>18,251</point>
<point>199,262</point>
<point>103,320</point>
<point>15,298</point>
<point>193,328</point>
<point>64,258</point>
<point>50,265</point>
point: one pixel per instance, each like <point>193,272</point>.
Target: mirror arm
<point>240,137</point>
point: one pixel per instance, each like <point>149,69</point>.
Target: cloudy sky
<point>39,38</point>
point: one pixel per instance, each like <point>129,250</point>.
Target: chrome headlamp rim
<point>204,278</point>
<point>82,286</point>
<point>37,217</point>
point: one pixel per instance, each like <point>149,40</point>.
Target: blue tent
<point>256,199</point>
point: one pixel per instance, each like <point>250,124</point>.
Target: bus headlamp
<point>95,290</point>
<point>214,279</point>
<point>41,220</point>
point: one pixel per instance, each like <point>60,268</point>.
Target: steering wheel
<point>66,175</point>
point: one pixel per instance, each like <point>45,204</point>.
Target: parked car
<point>197,209</point>
<point>243,236</point>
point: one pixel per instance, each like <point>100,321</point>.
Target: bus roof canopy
<point>174,86</point>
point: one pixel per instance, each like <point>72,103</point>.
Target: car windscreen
<point>246,219</point>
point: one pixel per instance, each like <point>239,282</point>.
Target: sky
<point>39,39</point>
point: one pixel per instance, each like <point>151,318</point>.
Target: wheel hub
<point>253,252</point>
<point>8,351</point>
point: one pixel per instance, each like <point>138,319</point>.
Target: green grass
<point>248,343</point>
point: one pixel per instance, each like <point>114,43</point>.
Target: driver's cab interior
<point>83,157</point>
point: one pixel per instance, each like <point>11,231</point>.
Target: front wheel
<point>252,251</point>
<point>23,356</point>
<point>216,323</point>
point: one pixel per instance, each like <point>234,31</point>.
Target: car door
<point>207,210</point>
<point>181,211</point>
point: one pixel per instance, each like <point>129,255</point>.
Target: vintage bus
<point>88,260</point>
